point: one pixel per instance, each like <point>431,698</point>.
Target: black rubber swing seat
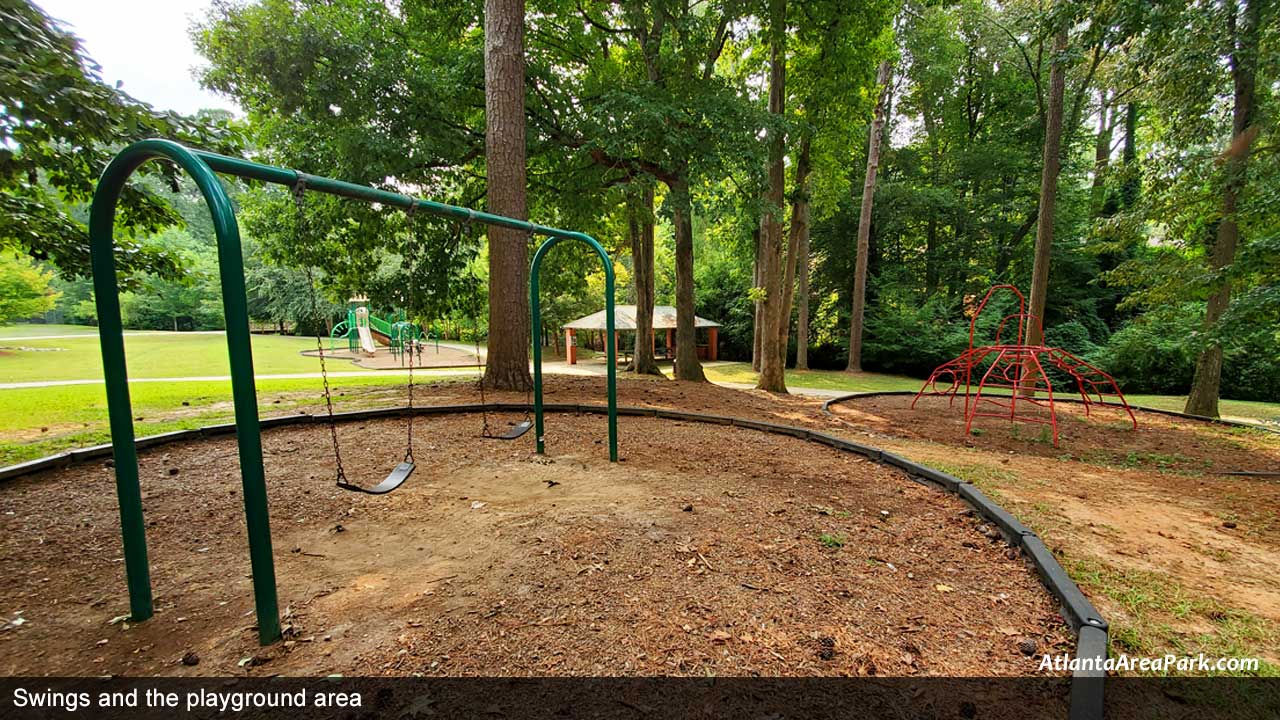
<point>514,431</point>
<point>397,477</point>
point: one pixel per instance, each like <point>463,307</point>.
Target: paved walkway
<point>551,368</point>
<point>216,378</point>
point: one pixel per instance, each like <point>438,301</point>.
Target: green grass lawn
<point>1250,410</point>
<point>25,331</point>
<point>154,356</point>
<point>1247,410</point>
<point>818,379</point>
<point>35,422</point>
<point>39,421</point>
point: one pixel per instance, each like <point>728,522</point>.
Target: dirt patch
<point>1106,438</point>
<point>708,550</point>
<point>10,349</point>
<point>431,357</point>
<point>1142,518</point>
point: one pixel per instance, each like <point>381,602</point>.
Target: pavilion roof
<point>624,318</point>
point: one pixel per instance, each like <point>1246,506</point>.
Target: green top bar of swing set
<point>201,166</point>
<point>281,176</point>
<point>267,173</point>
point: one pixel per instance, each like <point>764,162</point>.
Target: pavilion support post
<point>571,345</point>
<point>670,341</point>
<point>713,342</point>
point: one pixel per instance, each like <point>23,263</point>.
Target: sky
<point>145,45</point>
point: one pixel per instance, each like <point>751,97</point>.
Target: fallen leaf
<point>943,588</point>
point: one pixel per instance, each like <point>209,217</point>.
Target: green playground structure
<point>203,168</point>
<point>397,333</point>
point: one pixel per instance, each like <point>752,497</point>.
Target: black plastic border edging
<point>1086,700</point>
<point>826,409</point>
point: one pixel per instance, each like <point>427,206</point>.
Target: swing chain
<point>408,452</point>
<point>299,201</point>
<point>484,406</point>
<point>464,227</point>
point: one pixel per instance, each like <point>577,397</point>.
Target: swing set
<point>405,468</point>
<point>203,168</point>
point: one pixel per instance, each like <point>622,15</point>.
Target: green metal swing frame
<point>203,168</point>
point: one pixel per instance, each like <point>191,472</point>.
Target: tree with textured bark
<point>640,232</point>
<point>1051,166</point>
<point>801,226</point>
<point>796,235</point>
<point>1132,182</point>
<point>772,252</point>
<point>757,282</point>
<point>830,74</point>
<point>687,366</point>
<point>875,136</point>
<point>507,359</point>
<point>1244,23</point>
<point>658,109</point>
<point>1102,153</point>
<point>1196,211</point>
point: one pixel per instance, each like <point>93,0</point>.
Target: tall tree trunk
<point>1101,158</point>
<point>507,363</point>
<point>802,312</point>
<point>1129,192</point>
<point>758,319</point>
<point>1048,187</point>
<point>874,139</point>
<point>687,366</point>
<point>772,369</point>
<point>640,228</point>
<point>1205,386</point>
<point>799,226</point>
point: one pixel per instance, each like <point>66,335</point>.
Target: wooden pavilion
<point>624,320</point>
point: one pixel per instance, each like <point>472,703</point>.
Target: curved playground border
<point>1086,696</point>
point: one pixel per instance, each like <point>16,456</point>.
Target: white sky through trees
<point>144,44</point>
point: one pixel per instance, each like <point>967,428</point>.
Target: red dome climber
<point>1019,368</point>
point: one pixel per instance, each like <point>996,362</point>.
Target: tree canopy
<point>59,125</point>
<point>719,149</point>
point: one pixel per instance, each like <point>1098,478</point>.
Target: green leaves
<point>355,89</point>
<point>59,126</point>
<point>25,288</point>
